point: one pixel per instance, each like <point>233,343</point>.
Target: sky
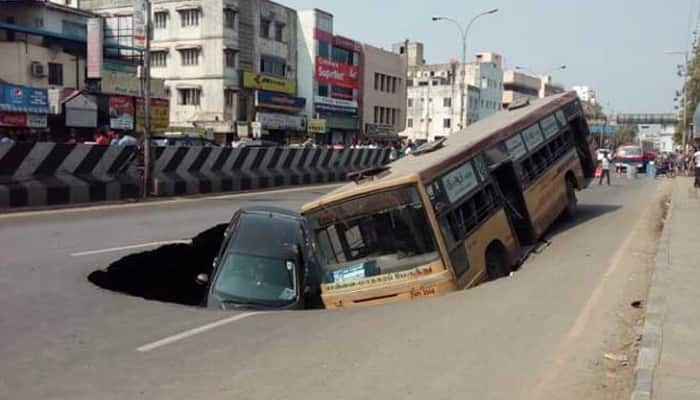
<point>617,47</point>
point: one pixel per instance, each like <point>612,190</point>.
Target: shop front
<point>278,115</point>
<point>23,111</point>
<point>381,133</point>
<point>341,120</point>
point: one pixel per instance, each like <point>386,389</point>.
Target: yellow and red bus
<point>456,212</point>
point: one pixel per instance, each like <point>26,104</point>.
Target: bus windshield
<point>381,233</point>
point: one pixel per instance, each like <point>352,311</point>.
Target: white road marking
<point>192,332</point>
<point>130,247</point>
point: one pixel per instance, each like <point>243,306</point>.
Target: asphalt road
<point>64,338</point>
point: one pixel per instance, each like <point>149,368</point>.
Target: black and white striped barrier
<point>39,174</point>
<point>190,170</point>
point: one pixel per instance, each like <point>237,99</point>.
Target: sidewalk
<point>669,360</point>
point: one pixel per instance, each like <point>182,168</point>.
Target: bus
<point>456,212</point>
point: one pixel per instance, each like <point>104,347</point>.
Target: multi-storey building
<point>226,63</point>
<point>438,102</point>
<point>519,85</point>
<point>383,102</point>
<point>329,77</point>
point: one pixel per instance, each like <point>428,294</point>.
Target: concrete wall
<point>16,66</point>
<point>306,57</point>
<point>389,64</point>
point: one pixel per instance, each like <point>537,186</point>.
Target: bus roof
<point>458,147</point>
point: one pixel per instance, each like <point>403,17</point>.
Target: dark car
<point>266,261</point>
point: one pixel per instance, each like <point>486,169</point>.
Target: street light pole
<point>147,159</point>
<point>464,32</point>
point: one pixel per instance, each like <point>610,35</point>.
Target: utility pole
<point>146,76</point>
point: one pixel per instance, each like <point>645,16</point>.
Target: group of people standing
<point>688,163</point>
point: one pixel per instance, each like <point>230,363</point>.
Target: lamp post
<point>464,32</point>
<point>685,96</point>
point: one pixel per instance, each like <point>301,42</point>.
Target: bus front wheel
<point>497,265</point>
<point>571,201</point>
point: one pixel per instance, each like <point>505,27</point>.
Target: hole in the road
<point>165,274</point>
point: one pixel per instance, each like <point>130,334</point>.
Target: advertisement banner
<point>24,99</point>
<point>279,101</point>
<point>330,104</point>
<point>160,115</point>
<point>14,119</point>
<point>269,83</point>
<point>121,112</point>
<point>128,84</point>
<point>339,74</point>
<point>316,125</point>
<point>139,28</point>
<point>95,37</point>
<point>281,121</point>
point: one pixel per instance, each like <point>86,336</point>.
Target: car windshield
<point>630,151</point>
<point>255,279</point>
<point>259,260</point>
<point>381,233</point>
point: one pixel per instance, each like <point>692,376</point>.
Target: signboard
<point>81,111</point>
<point>139,24</point>
<point>279,101</point>
<point>335,105</point>
<point>533,136</point>
<point>549,126</point>
<point>339,74</point>
<point>516,147</point>
<point>24,99</point>
<point>269,83</point>
<point>347,44</point>
<point>128,84</point>
<point>121,112</point>
<point>160,115</point>
<point>281,121</point>
<point>460,181</point>
<point>95,37</point>
<point>379,129</point>
<point>23,120</point>
<point>316,125</point>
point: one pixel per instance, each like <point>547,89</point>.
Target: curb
<point>652,333</point>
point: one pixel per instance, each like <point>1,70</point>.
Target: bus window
<point>377,234</point>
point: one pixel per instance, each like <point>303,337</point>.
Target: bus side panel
<point>495,228</point>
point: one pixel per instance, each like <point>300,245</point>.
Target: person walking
<point>604,168</point>
<point>696,159</point>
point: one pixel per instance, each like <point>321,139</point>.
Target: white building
<point>585,93</point>
<point>204,48</point>
<point>435,106</point>
<point>660,135</point>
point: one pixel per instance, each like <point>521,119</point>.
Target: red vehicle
<point>633,155</point>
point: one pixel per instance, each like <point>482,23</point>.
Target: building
<point>383,112</point>
<point>586,94</point>
<point>329,76</point>
<point>435,107</point>
<point>519,86</point>
<point>226,63</point>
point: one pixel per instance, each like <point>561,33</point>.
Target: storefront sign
<point>139,23</point>
<point>316,125</point>
<point>95,37</point>
<point>330,104</point>
<point>339,74</point>
<point>22,120</point>
<point>269,83</point>
<point>279,101</point>
<point>378,129</point>
<point>121,112</point>
<point>160,115</point>
<point>127,84</point>
<point>281,121</point>
<point>24,99</point>
<point>37,120</point>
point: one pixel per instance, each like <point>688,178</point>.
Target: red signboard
<point>323,35</point>
<point>347,44</point>
<point>339,74</point>
<point>16,119</point>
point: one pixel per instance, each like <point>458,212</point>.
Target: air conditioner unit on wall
<point>38,69</point>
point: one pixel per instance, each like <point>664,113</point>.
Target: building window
<point>323,90</point>
<point>279,32</point>
<point>190,56</point>
<point>446,123</point>
<point>231,57</point>
<point>229,18</point>
<point>342,93</point>
<point>393,116</point>
<point>229,96</point>
<point>342,56</point>
<point>410,103</point>
<point>409,123</point>
<point>273,65</point>
<point>188,97</point>
<point>55,74</point>
<point>265,25</point>
<point>38,22</point>
<point>160,20</point>
<point>376,114</point>
<point>324,49</point>
<point>189,17</point>
<point>376,81</point>
<point>447,102</point>
<point>159,58</point>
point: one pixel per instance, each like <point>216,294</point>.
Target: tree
<point>625,134</point>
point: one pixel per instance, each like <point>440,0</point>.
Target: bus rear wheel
<point>497,265</point>
<point>571,201</point>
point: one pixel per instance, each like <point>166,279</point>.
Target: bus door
<point>583,147</point>
<point>513,200</point>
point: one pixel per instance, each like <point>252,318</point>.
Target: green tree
<point>691,92</point>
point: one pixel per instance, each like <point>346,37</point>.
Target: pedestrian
<point>125,139</point>
<point>696,159</point>
<point>101,138</point>
<point>604,169</point>
<point>236,142</point>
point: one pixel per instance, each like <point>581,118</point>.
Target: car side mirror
<point>202,279</point>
